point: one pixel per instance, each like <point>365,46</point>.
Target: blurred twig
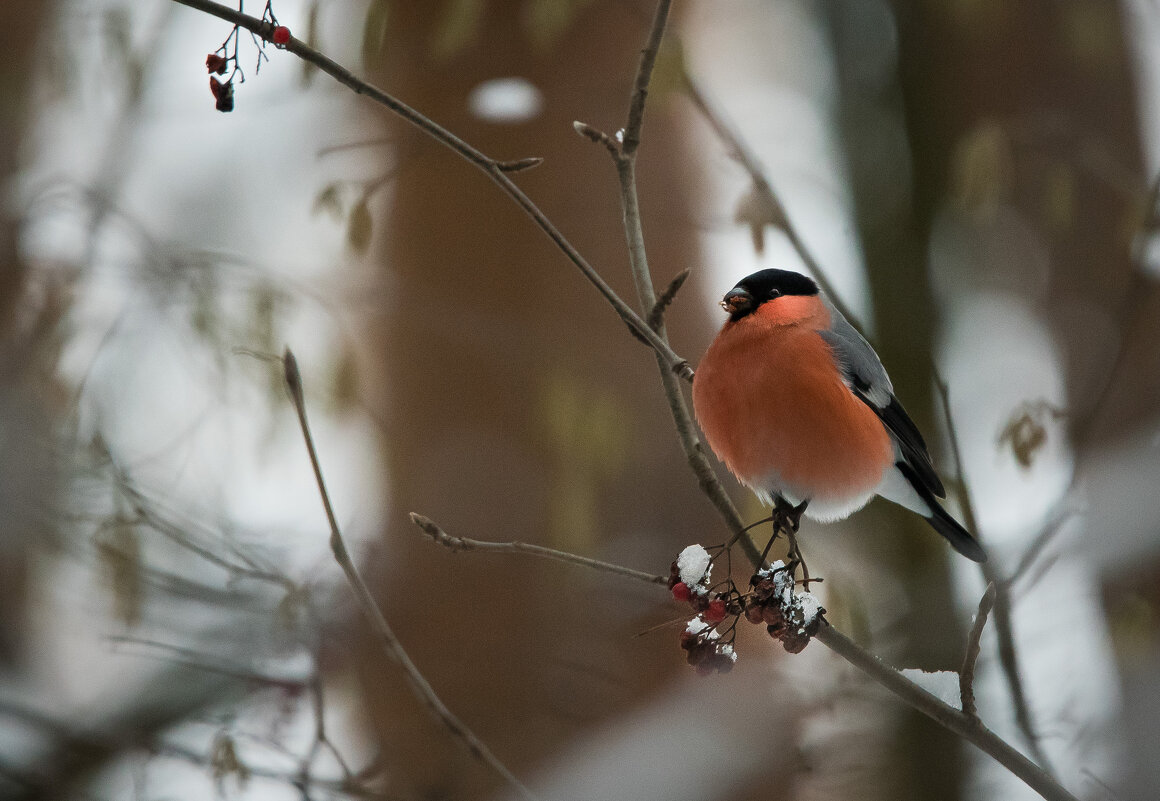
<point>763,191</point>
<point>386,635</point>
<point>441,537</point>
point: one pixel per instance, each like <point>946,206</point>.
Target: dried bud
<point>215,62</point>
<point>223,93</point>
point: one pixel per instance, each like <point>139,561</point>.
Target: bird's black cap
<point>755,289</point>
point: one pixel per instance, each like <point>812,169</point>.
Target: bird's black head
<point>762,286</point>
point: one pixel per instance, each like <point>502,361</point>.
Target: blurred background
<point>976,179</point>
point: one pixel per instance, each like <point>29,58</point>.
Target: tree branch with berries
<point>792,617</point>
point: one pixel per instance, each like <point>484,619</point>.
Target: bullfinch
<point>797,405</point>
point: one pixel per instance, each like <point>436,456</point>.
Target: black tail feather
<point>959,538</point>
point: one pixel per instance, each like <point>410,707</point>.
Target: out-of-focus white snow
<point>942,684</point>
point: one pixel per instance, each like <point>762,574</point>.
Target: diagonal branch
<point>386,636</point>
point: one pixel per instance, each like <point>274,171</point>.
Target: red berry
<point>281,35</point>
<point>681,591</point>
<point>715,612</point>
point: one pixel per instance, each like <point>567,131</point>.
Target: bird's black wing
<point>867,379</point>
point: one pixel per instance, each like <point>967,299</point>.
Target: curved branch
<point>382,629</point>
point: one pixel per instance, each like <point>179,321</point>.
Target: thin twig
<point>497,171</point>
<point>1062,513</point>
<point>648,59</point>
<point>971,655</point>
<point>189,657</point>
<point>387,639</point>
<point>1004,628</point>
<point>441,537</point>
<point>656,317</point>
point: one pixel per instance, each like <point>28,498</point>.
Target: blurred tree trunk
<point>978,104</point>
<point>517,406</point>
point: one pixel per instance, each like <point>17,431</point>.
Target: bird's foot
<point>788,517</point>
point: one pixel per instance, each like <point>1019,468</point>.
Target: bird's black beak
<point>737,302</point>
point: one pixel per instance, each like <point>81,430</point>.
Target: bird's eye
<point>774,293</point>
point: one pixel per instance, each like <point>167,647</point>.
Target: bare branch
<point>441,537</point>
<point>598,136</point>
<point>386,636</point>
<point>967,672</point>
<point>648,59</point>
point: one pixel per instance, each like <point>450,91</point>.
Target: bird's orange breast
<point>772,404</point>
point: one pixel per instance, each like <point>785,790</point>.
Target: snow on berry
<point>810,608</point>
<point>694,565</point>
<point>698,627</point>
<point>792,618</point>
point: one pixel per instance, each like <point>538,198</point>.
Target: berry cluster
<point>793,618</point>
<point>225,58</point>
<point>790,617</point>
<point>689,583</point>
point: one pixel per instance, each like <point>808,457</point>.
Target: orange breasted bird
<point>798,406</point>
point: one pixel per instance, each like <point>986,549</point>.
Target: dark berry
<point>215,62</point>
<point>281,35</point>
<point>715,611</point>
<point>681,592</point>
<point>223,93</point>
